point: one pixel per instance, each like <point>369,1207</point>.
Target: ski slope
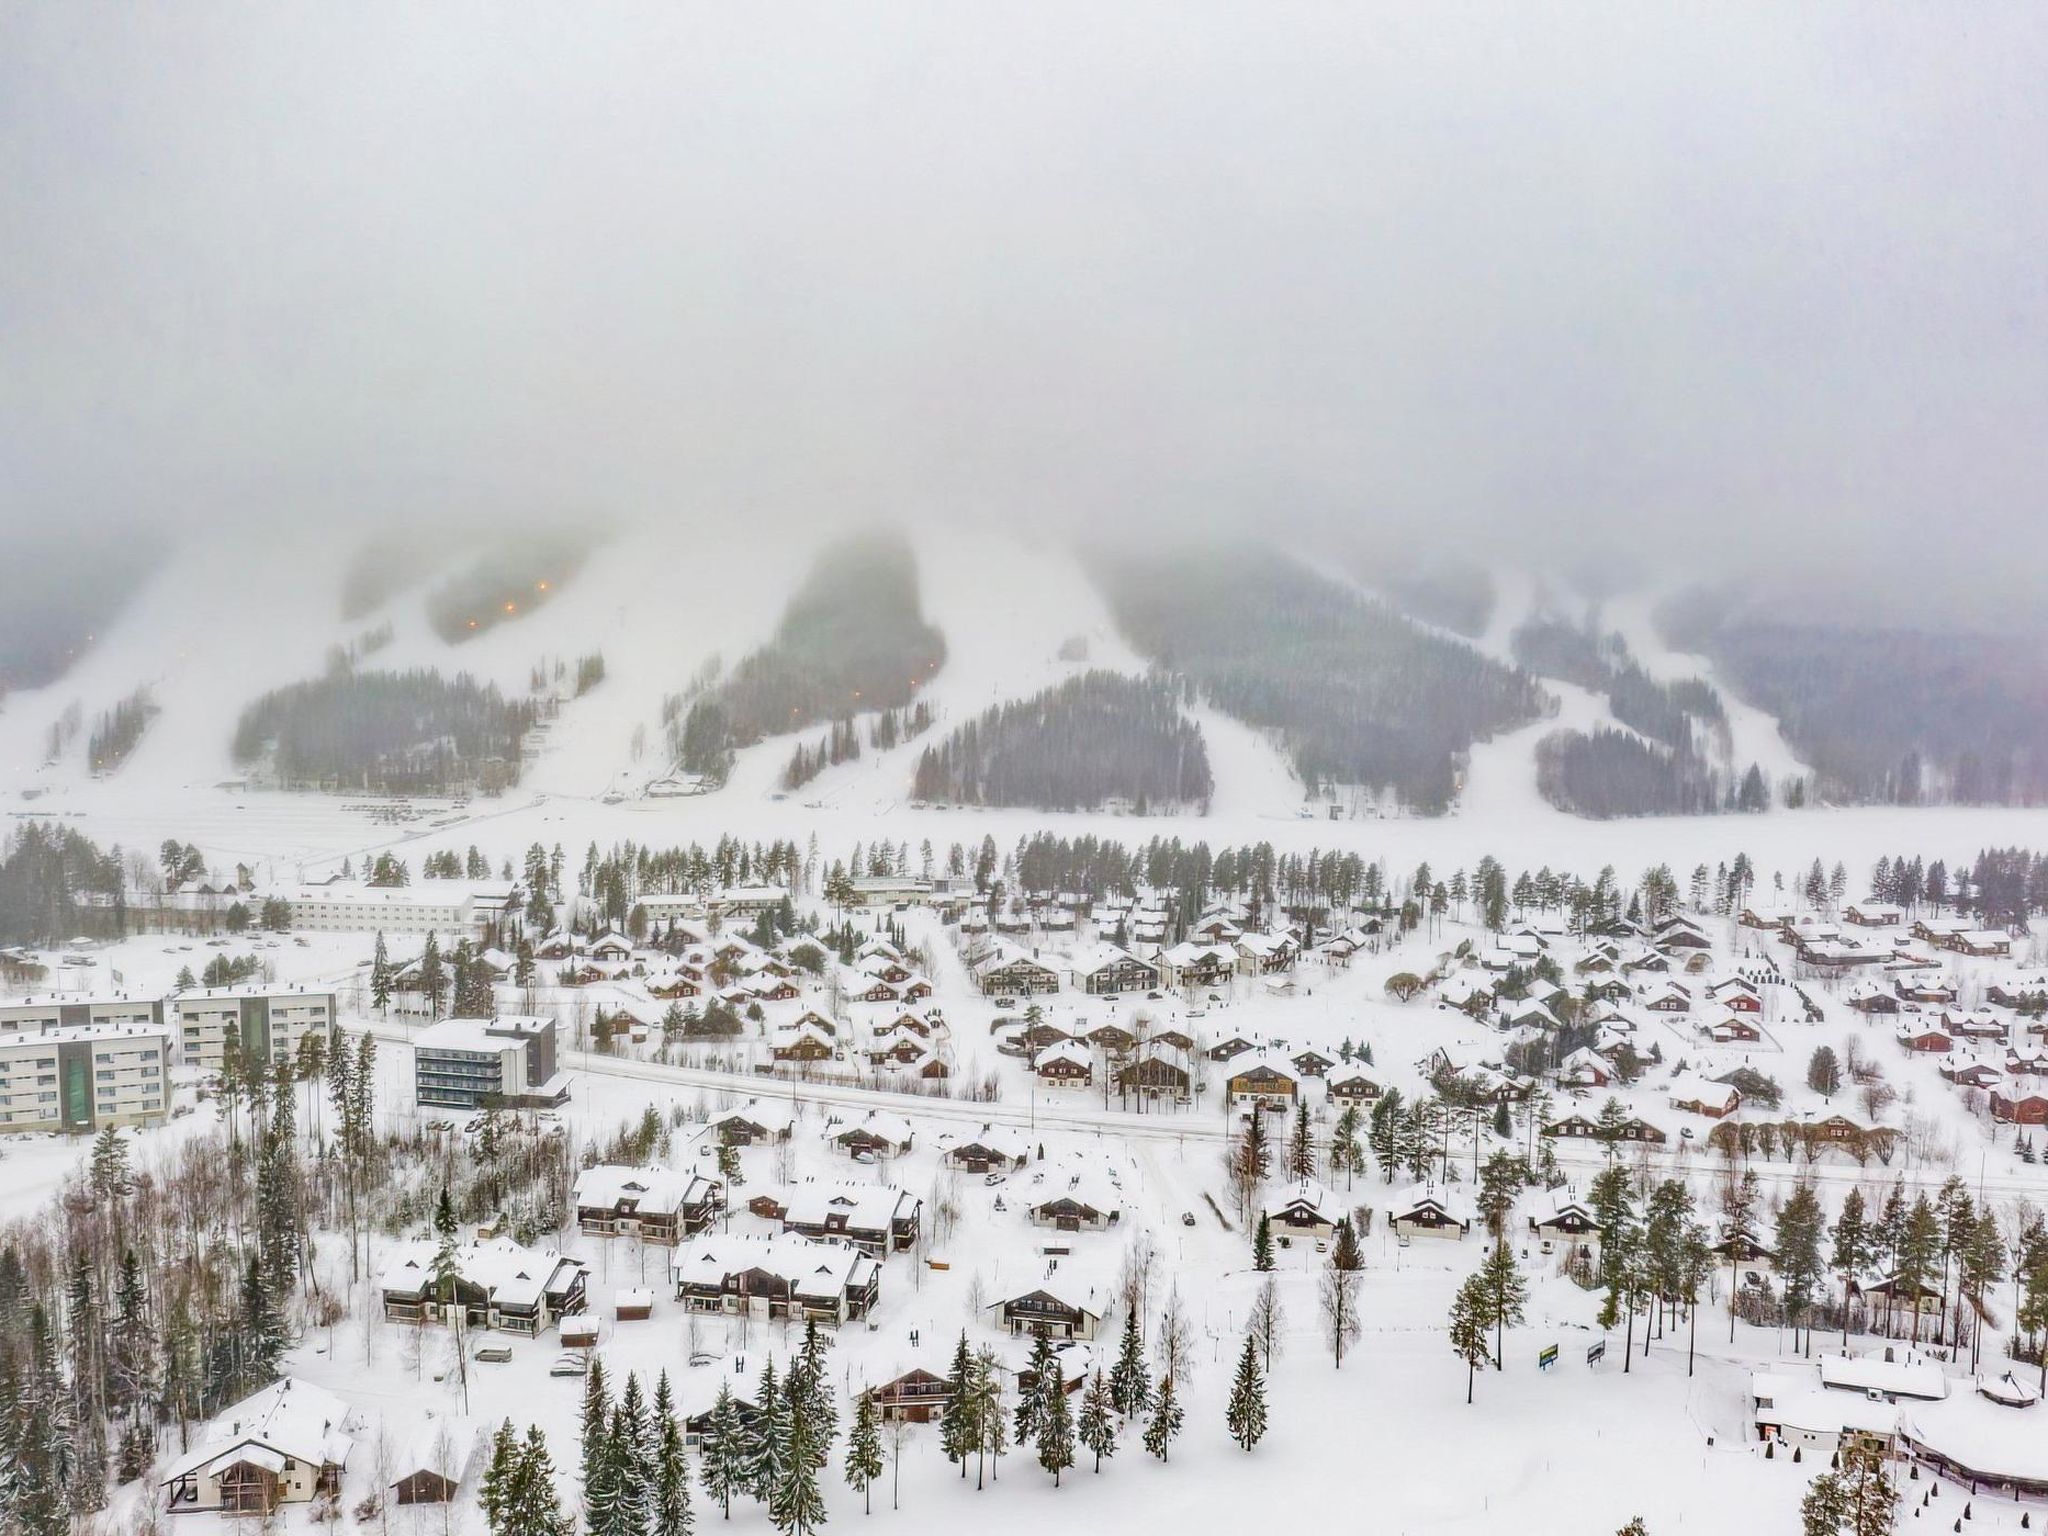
<point>659,603</point>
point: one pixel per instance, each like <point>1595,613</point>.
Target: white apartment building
<point>84,1079</point>
<point>268,1020</point>
<point>449,907</point>
<point>78,1010</point>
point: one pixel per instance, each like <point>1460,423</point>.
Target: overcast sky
<point>1688,279</point>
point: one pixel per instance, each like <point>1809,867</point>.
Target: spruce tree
<point>380,977</point>
<point>864,1452</point>
<point>814,1392</point>
<point>534,1508</point>
<point>1130,1386</point>
<point>1166,1417</point>
<point>497,1478</point>
<point>600,1471</point>
<point>132,1344</point>
<point>1055,1424</point>
<point>1098,1421</point>
<point>1301,1147</point>
<point>722,1452</point>
<point>633,1471</point>
<point>1470,1316</point>
<point>1506,1293</point>
<point>1031,1404</point>
<point>768,1444</point>
<point>795,1503</point>
<point>671,1504</point>
<point>1245,1413</point>
<point>959,1435</point>
<point>1262,1244</point>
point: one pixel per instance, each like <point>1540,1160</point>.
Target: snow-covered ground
<point>1753,734</point>
<point>1388,1438</point>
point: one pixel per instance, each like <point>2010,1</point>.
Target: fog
<point>1708,287</point>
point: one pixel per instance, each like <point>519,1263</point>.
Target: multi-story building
<point>84,1079</point>
<point>78,1010</point>
<point>476,1063</point>
<point>267,1021</point>
<point>449,907</point>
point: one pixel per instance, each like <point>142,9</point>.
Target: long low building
<point>77,1010</point>
<point>875,1218</point>
<point>657,1205</point>
<point>788,1276</point>
<point>267,1022</point>
<point>498,1284</point>
<point>449,907</point>
<point>83,1080</point>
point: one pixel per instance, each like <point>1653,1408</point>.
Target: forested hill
<point>1451,592</point>
<point>1678,713</point>
<point>1898,715</point>
<point>1094,739</point>
<point>853,639</point>
<point>1359,695</point>
<point>389,732</point>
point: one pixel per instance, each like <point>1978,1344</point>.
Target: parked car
<point>570,1365</point>
<point>993,1179</point>
<point>493,1354</point>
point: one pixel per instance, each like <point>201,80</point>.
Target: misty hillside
<point>1301,684</point>
<point>1449,591</point>
<point>63,593</point>
<point>1360,696</point>
<point>851,641</point>
<point>1902,715</point>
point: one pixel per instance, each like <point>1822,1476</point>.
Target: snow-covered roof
<point>487,1036</point>
<point>1990,1439</point>
<point>1909,1375</point>
<point>512,1275</point>
<point>871,1207</point>
<point>1003,1140</point>
<point>823,1269</point>
<point>1691,1088</point>
<point>290,1419</point>
<point>772,1115</point>
<point>1304,1194</point>
<point>1069,1051</point>
<point>651,1189</point>
<point>882,1124</point>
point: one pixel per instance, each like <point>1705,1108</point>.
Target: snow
<point>1573,1449</point>
<point>1754,735</point>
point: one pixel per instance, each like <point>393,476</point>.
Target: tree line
<point>413,732</point>
<point>55,882</point>
<point>117,732</point>
<point>1094,738</point>
<point>1606,773</point>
